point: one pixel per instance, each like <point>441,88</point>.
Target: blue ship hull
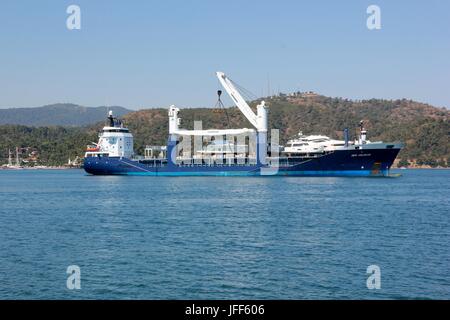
<point>368,162</point>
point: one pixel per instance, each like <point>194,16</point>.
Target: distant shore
<point>39,168</point>
<point>422,168</point>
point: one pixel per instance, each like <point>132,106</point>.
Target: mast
<point>111,118</point>
<point>17,157</point>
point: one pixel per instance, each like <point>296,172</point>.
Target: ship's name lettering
<point>361,155</point>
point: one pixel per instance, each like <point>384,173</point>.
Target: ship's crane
<point>258,120</point>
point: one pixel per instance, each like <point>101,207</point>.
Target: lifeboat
<point>92,148</point>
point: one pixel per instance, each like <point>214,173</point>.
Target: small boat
<point>92,148</point>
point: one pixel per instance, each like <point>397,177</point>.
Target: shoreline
<point>39,168</point>
<point>419,168</point>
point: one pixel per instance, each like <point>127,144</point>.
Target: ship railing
<point>198,162</point>
<point>232,161</point>
<point>154,162</point>
<point>227,162</point>
<point>217,162</point>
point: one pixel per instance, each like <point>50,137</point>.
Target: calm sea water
<point>224,238</point>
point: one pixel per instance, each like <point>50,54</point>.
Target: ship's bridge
<point>115,129</point>
<point>114,141</point>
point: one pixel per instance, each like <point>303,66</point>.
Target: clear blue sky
<point>142,54</point>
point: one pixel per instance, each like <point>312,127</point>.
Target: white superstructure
<point>319,144</point>
<point>114,141</point>
<point>312,144</point>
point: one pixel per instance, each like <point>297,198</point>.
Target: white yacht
<point>307,144</point>
<point>319,144</point>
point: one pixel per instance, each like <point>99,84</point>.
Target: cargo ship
<point>238,152</point>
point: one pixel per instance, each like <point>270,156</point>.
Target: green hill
<point>60,114</point>
<point>424,129</point>
<point>54,144</point>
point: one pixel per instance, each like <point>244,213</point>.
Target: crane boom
<point>258,120</point>
<point>238,99</point>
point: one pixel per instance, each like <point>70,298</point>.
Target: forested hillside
<point>424,129</point>
<point>60,114</point>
